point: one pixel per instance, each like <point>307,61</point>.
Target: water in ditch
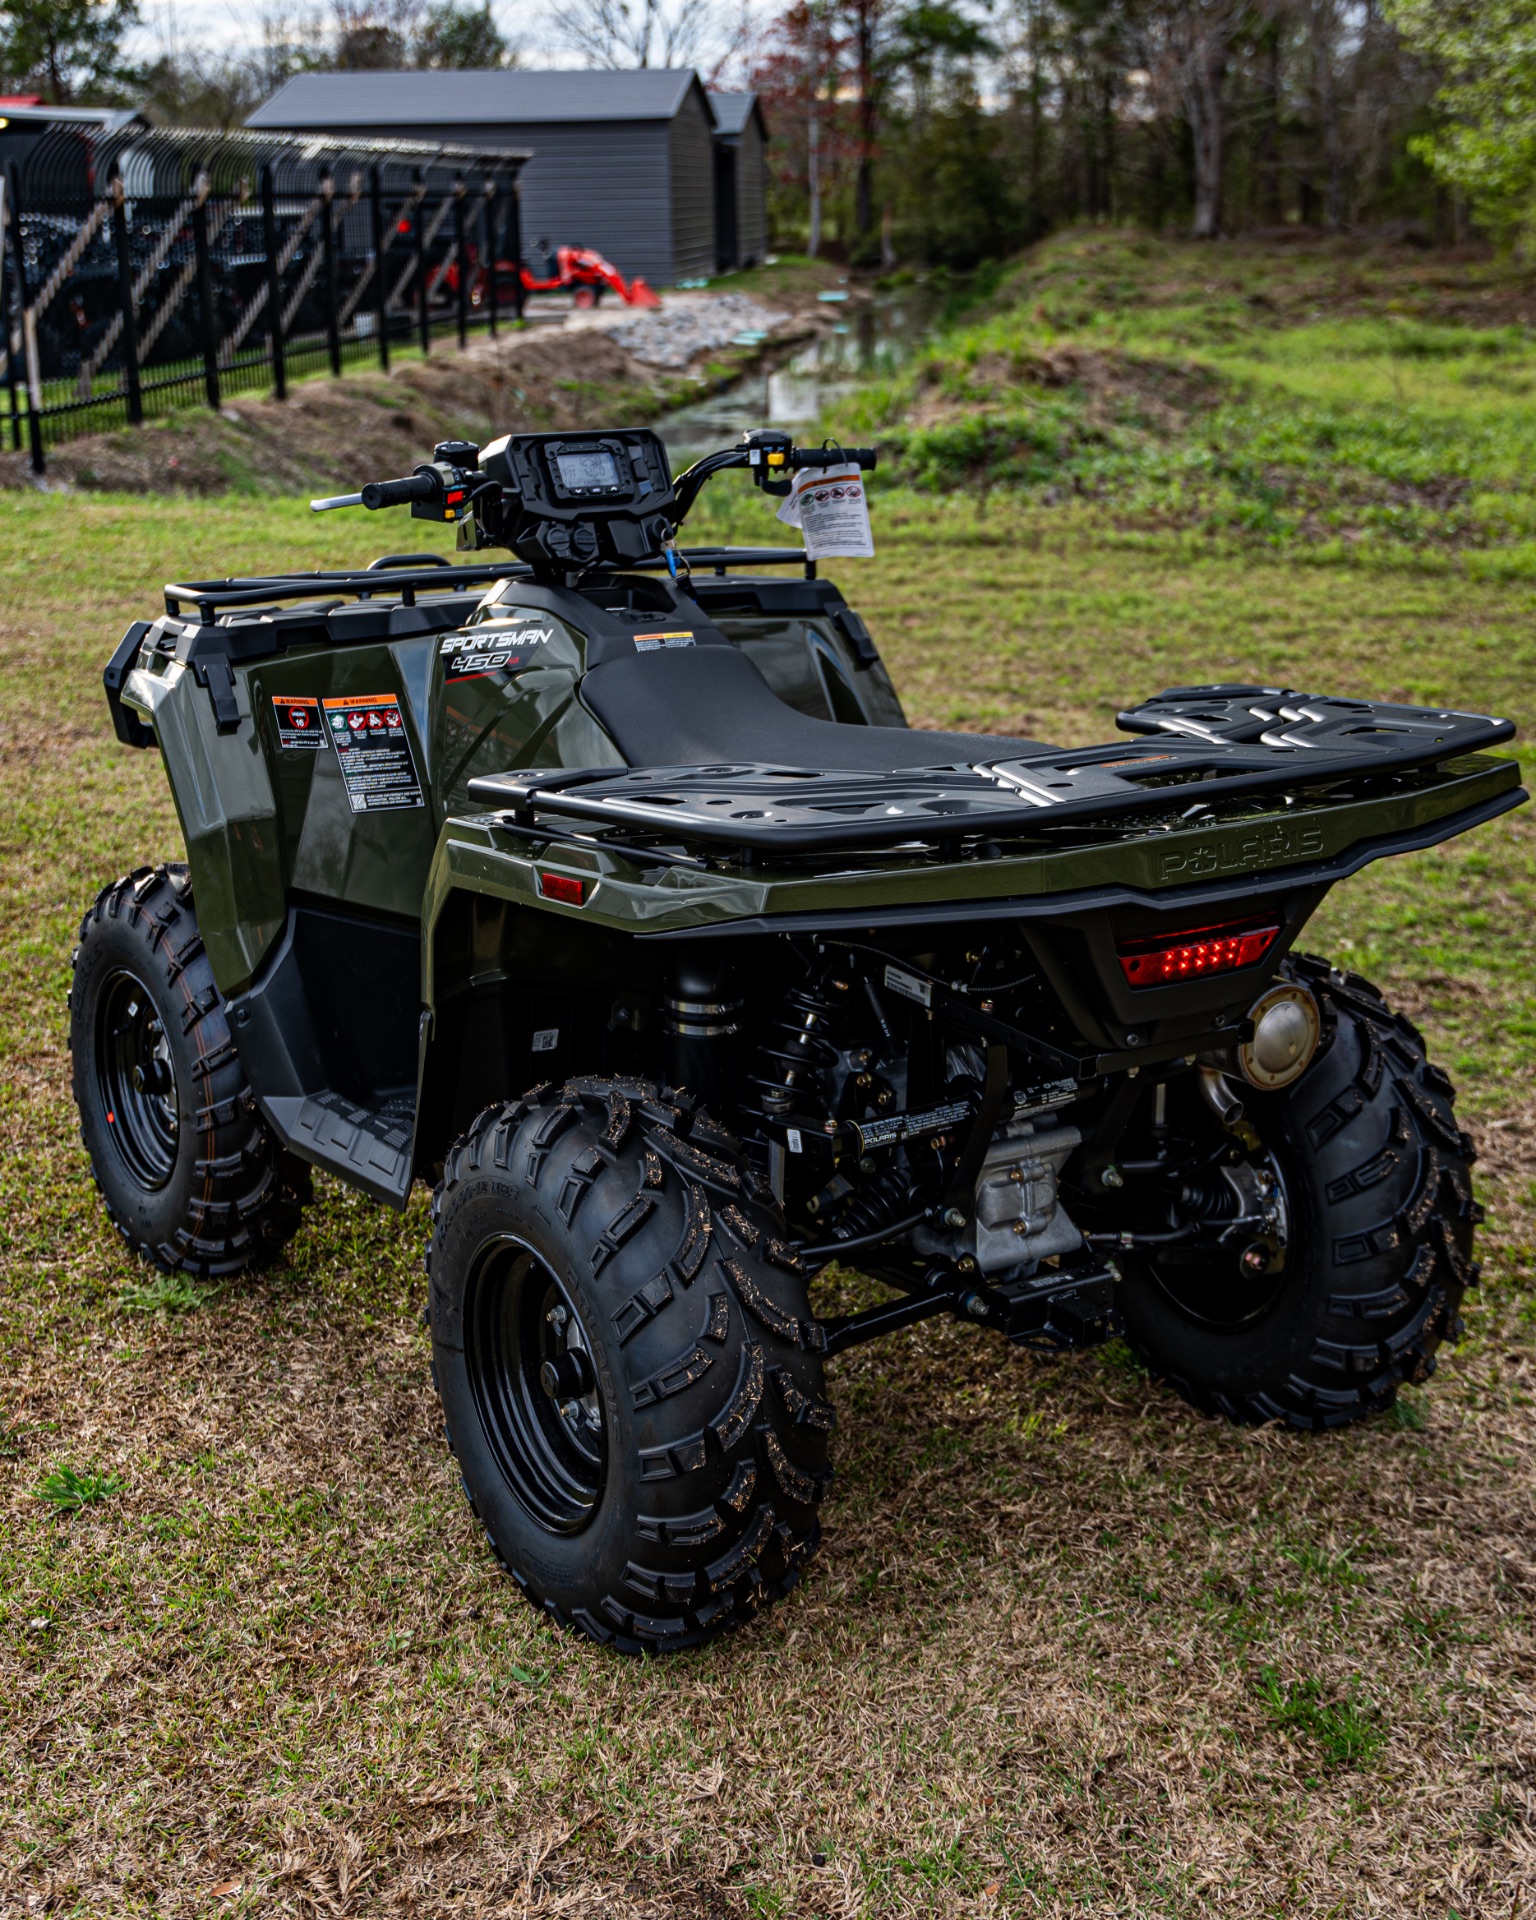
<point>866,338</point>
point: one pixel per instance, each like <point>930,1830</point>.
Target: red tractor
<point>585,272</point>
<point>582,271</point>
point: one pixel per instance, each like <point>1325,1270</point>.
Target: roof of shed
<point>22,112</point>
<point>473,97</point>
<point>734,110</point>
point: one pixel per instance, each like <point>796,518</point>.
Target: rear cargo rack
<point>1211,744</point>
<point>413,574</point>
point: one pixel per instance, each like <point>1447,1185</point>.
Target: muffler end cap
<point>1287,1027</point>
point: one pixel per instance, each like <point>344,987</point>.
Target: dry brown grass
<point>1070,1649</point>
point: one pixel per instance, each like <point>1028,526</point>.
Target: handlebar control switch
<point>769,453</point>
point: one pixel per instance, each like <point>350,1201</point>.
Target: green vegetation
<point>1071,1648</point>
<point>1348,402</point>
<point>1486,147</point>
<point>165,1293</point>
<point>1344,1731</point>
<point>67,1490</point>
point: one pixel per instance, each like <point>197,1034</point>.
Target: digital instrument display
<point>594,467</point>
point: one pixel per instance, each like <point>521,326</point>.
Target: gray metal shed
<point>623,162</point>
<point>741,181</point>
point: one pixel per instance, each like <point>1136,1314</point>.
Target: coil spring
<point>800,1044</point>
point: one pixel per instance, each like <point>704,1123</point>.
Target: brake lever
<point>336,500</point>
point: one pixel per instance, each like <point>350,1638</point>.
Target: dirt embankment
<point>335,432</point>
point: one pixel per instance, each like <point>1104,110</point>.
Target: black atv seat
<point>694,706</point>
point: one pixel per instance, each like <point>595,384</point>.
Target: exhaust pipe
<point>1219,1096</point>
<point>1287,1028</point>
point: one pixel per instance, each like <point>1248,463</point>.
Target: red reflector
<point>561,887</point>
<point>1156,961</point>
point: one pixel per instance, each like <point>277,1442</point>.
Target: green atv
<point>606,889</point>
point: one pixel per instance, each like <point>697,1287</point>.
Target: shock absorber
<point>802,1042</point>
<point>700,1014</point>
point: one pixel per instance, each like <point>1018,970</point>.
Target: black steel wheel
<point>184,1162</point>
<point>629,1369</point>
<point>136,1079</point>
<point>534,1385</point>
<point>1234,1275</point>
<point>1355,1244</point>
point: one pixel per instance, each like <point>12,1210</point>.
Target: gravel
<point>676,336</point>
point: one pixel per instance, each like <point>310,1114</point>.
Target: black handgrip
<point>833,457</point>
<point>397,493</point>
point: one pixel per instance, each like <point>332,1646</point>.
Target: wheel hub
<point>535,1385</point>
<point>136,1081</point>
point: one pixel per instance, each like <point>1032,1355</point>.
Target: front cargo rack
<point>1211,744</point>
<point>408,574</point>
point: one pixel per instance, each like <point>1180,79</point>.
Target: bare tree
<point>283,37</point>
<point>1186,46</point>
<point>637,33</point>
<point>1325,36</point>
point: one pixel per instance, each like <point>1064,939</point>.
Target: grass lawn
<point>1069,1648</point>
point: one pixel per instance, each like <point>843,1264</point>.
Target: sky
<point>226,25</point>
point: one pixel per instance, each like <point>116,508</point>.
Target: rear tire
<point>629,1369</point>
<point>185,1165</point>
<point>1378,1186</point>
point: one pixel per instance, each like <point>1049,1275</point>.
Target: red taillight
<point>1161,958</point>
<point>562,887</point>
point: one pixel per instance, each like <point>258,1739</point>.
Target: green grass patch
<point>69,1489</point>
<point>1344,1732</point>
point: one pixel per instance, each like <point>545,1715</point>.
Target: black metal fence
<point>147,270</point>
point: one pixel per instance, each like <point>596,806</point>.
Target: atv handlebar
<point>833,457</point>
<point>385,493</point>
<point>772,456</point>
<point>547,515</point>
<point>399,493</point>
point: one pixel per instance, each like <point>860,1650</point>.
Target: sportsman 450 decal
<point>468,656</point>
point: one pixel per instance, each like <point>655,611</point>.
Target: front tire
<point>1377,1185</point>
<point>189,1172</point>
<point>629,1369</point>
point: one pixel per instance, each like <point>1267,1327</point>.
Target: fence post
<point>28,333</point>
<point>125,301</point>
<point>515,244</point>
<point>488,250</point>
<point>328,240</point>
<point>380,286</point>
<point>8,228</point>
<point>206,315</point>
<point>419,225</point>
<point>461,258</point>
<point>274,282</point>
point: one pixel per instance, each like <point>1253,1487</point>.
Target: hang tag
<point>831,509</point>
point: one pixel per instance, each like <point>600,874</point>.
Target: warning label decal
<point>649,642</point>
<point>298,721</point>
<point>368,733</point>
